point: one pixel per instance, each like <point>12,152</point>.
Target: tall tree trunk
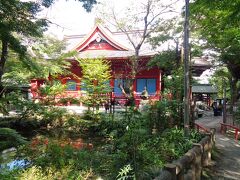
<point>233,90</point>
<point>178,55</point>
<point>3,59</point>
<point>136,63</point>
<point>186,71</point>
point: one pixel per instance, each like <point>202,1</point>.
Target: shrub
<point>36,172</point>
<point>127,148</point>
<point>70,100</point>
<point>164,114</point>
<point>10,138</point>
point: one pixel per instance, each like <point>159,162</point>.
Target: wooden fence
<point>189,166</point>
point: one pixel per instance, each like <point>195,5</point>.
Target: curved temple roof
<point>100,42</point>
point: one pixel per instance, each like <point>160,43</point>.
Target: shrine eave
<point>106,54</point>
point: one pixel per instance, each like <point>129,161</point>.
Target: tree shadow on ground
<point>212,171</point>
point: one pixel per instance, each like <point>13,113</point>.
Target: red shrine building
<point>102,43</point>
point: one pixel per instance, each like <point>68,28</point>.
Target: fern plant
<point>126,173</point>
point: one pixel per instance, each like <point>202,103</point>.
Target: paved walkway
<point>226,162</point>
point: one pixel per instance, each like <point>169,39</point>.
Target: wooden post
<point>224,103</point>
<point>207,151</point>
<point>172,168</point>
<point>180,175</point>
<point>110,102</point>
<point>236,134</point>
<point>213,137</point>
<point>180,165</point>
<point>198,161</point>
<point>193,170</point>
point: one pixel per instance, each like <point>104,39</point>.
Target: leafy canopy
<point>20,18</point>
<point>47,57</point>
<point>218,23</point>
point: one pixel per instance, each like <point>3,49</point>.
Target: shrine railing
<point>190,165</point>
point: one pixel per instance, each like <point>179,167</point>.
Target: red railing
<point>225,126</point>
<point>201,128</point>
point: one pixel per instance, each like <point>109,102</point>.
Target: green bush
<point>38,173</point>
<point>125,146</point>
<point>70,100</point>
<point>65,159</point>
<point>176,144</point>
<point>10,138</point>
<point>130,140</point>
<point>164,114</point>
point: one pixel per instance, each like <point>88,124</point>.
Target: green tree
<point>137,22</point>
<point>95,81</point>
<point>221,79</point>
<point>47,58</point>
<point>50,90</point>
<point>217,22</point>
<point>17,18</point>
<point>20,18</point>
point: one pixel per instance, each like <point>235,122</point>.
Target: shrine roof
<point>199,65</point>
<point>116,43</point>
<point>100,42</point>
<point>204,89</point>
<point>109,54</point>
<point>79,42</point>
<point>201,61</point>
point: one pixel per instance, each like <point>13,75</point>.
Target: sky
<point>70,18</point>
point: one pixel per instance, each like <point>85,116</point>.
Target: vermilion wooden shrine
<point>101,43</point>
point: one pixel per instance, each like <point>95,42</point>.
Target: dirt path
<point>226,160</point>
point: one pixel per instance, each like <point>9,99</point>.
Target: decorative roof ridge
<point>86,37</point>
<point>112,32</point>
<point>102,31</point>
